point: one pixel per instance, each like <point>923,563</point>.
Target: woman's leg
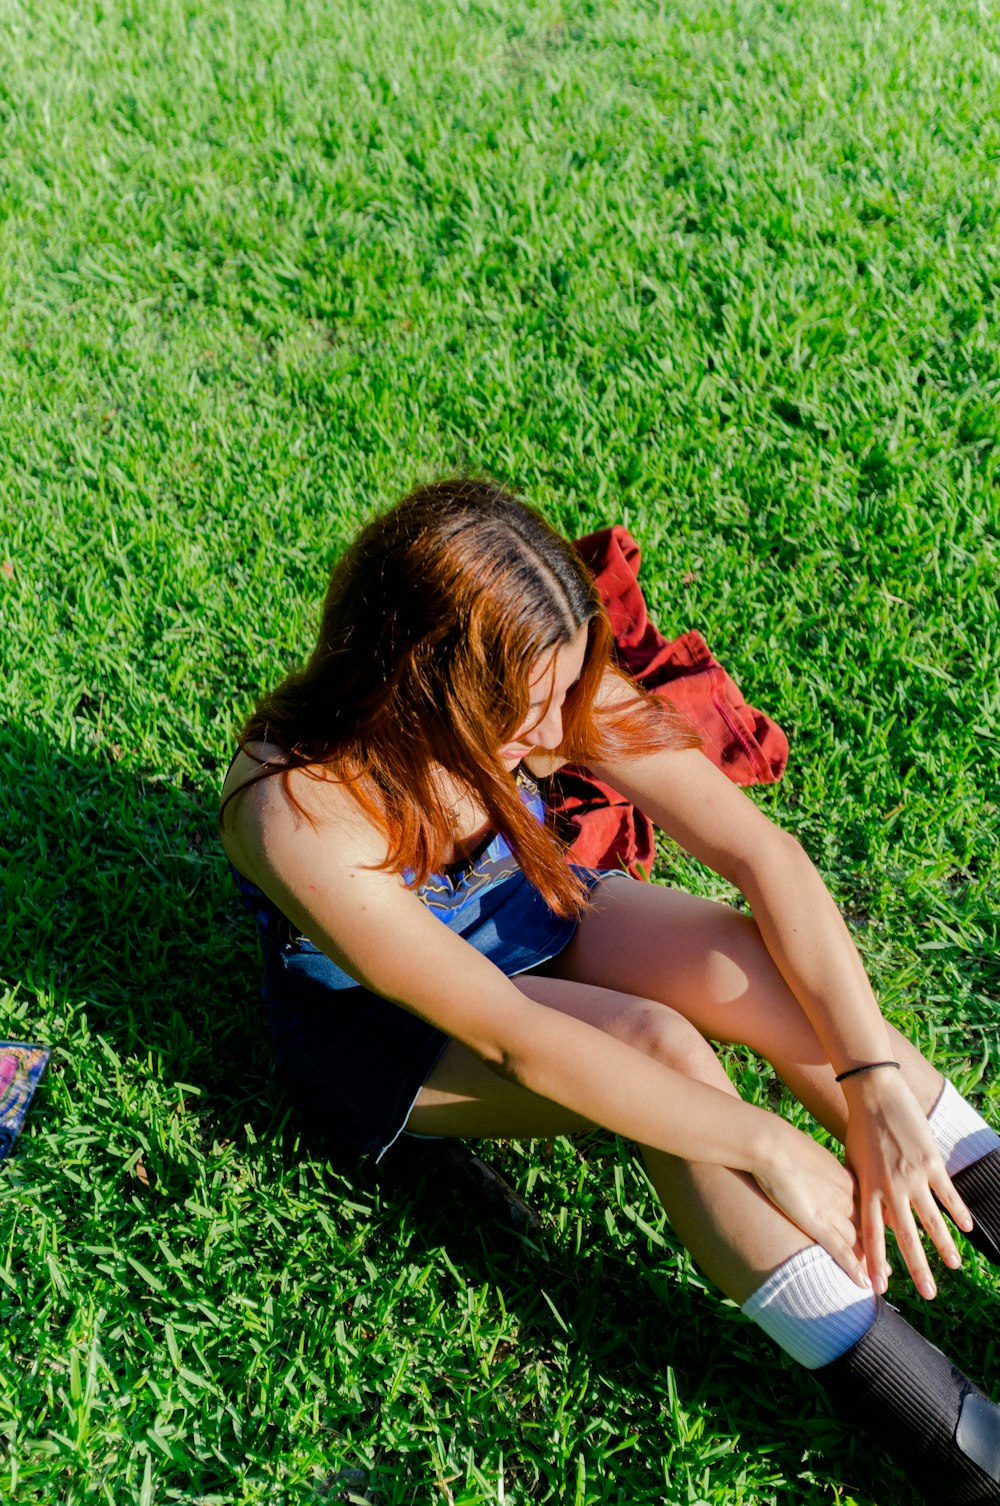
<point>709,963</point>
<point>730,1227</point>
<point>877,1369</point>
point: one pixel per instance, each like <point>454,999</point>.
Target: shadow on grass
<point>120,921</point>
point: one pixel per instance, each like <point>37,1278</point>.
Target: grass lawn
<point>727,272</point>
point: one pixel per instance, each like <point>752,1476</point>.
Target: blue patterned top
<point>488,901</point>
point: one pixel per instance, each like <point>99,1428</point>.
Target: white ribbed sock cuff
<point>960,1133</point>
<point>812,1308</point>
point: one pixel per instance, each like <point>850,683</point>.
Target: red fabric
<point>604,829</point>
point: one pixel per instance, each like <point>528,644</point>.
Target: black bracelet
<point>868,1067</point>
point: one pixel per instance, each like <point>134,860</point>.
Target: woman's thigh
<point>464,1097</point>
<point>705,960</point>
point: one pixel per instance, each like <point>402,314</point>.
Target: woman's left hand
<point>899,1171</point>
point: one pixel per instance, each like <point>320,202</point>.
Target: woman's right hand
<point>815,1191</point>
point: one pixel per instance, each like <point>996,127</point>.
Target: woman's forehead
<point>555,670</point>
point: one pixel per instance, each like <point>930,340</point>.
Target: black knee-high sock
<point>979,1185</point>
<point>930,1418</point>
<point>971,1150</point>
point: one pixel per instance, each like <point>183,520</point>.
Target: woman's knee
<point>645,1024</point>
<point>667,1037</point>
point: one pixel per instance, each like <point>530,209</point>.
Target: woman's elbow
<point>779,853</point>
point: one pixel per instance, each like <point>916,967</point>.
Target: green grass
<point>727,272</point>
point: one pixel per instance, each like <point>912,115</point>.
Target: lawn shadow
<point>119,920</point>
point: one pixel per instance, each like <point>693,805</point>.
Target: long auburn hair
<point>431,623</point>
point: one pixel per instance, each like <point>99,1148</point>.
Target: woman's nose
<point>548,732</point>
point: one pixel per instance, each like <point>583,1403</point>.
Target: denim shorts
<point>352,1062</point>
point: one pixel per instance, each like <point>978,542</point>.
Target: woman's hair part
<point>432,621</point>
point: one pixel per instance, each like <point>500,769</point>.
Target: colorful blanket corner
<point>21,1066</point>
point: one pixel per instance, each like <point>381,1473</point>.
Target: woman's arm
<point>370,923</point>
<point>693,802</point>
<point>889,1145</point>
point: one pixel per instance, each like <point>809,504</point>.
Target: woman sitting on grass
<point>433,965</point>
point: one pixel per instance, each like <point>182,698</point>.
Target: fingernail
<point>879,1283</point>
<point>968,1222</point>
<point>953,1259</point>
<point>927,1289</point>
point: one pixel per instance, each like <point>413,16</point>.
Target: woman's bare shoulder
<point>264,811</point>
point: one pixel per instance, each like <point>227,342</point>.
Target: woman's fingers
<point>900,1219</point>
<point>873,1239</point>
<point>842,1239</point>
<point>850,1255</point>
<point>899,1216</point>
<point>817,1193</point>
<point>842,1248</point>
<point>839,1237</point>
<point>930,1216</point>
<point>902,1178</point>
<point>948,1195</point>
<point>912,1250</point>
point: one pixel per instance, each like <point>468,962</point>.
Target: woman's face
<point>550,679</point>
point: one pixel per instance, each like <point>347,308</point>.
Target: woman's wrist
<point>876,1066</point>
<point>770,1147</point>
<point>869,1087</point>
